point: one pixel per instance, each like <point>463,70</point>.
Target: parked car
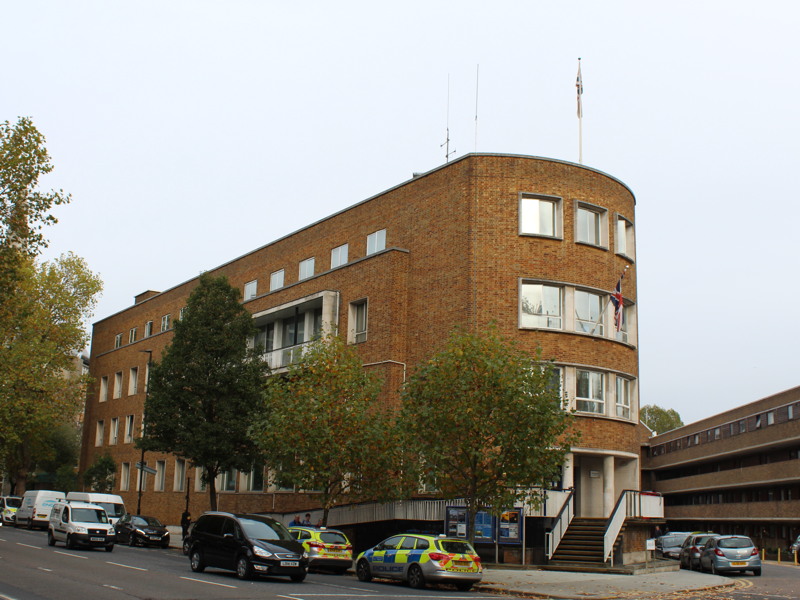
<point>8,507</point>
<point>669,545</point>
<point>422,559</point>
<point>80,524</point>
<point>36,508</point>
<point>141,530</point>
<point>725,553</point>
<point>113,504</point>
<point>326,548</point>
<point>689,554</point>
<point>248,544</point>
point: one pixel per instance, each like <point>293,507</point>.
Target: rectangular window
<point>590,392</point>
<point>165,323</point>
<point>229,481</point>
<point>771,417</point>
<point>179,485</point>
<point>265,338</point>
<point>358,322</point>
<point>250,289</point>
<point>624,237</point>
<point>339,256</point>
<point>118,340</point>
<point>199,480</point>
<point>118,384</point>
<point>622,334</point>
<point>623,398</point>
<point>742,426</point>
<point>161,473</point>
<point>306,268</point>
<point>255,479</point>
<point>125,477</point>
<point>148,329</point>
<point>276,280</point>
<point>717,433</point>
<point>129,429</point>
<point>540,306</point>
<point>590,225</point>
<point>790,412</point>
<point>132,335</point>
<point>113,435</point>
<point>141,480</point>
<point>182,313</point>
<point>133,381</point>
<point>376,242</point>
<point>588,312</point>
<point>100,433</point>
<point>540,216</point>
<point>104,388</point>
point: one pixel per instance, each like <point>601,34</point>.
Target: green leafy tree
<point>41,384</point>
<point>99,476</point>
<point>206,389</point>
<point>660,420</point>
<point>485,422</point>
<point>323,429</point>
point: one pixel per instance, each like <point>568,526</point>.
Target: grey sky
<point>192,132</point>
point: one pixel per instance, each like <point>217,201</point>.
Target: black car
<point>141,530</point>
<point>248,544</point>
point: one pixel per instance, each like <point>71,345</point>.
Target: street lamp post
<point>141,463</point>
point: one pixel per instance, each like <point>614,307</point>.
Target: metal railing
<point>563,519</point>
<point>631,504</point>
<point>281,358</point>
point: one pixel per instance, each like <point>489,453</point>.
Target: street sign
<point>145,468</point>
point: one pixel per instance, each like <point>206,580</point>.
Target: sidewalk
<point>532,583</point>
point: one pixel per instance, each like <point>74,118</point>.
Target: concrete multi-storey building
<point>534,245</point>
<point>735,472</point>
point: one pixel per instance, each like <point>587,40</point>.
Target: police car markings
<point>108,562</point>
<point>233,587</point>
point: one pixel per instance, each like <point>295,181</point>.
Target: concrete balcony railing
<point>732,478</point>
<point>283,357</point>
<point>788,510</point>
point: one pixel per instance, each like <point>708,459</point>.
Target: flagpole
<point>579,86</point>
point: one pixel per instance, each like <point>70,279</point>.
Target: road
<point>32,570</point>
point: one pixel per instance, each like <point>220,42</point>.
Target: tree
<point>322,428</point>
<point>204,393</point>
<point>99,476</point>
<point>485,422</point>
<point>40,385</point>
<point>659,420</point>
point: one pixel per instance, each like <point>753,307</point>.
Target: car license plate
<point>461,563</point>
<point>97,539</point>
<point>154,538</point>
<point>739,563</point>
<point>290,563</point>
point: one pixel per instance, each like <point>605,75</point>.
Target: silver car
<point>725,553</point>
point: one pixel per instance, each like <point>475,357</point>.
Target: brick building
<point>736,472</point>
<point>535,245</point>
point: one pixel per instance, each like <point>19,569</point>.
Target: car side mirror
<point>227,536</point>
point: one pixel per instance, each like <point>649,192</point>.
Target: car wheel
<point>29,525</point>
<point>714,568</point>
<point>415,577</point>
<point>185,547</point>
<point>464,586</point>
<point>243,570</point>
<point>298,578</point>
<point>362,571</point>
<point>757,572</point>
<point>196,561</point>
<point>69,543</point>
<point>110,548</point>
<point>165,544</point>
<point>51,541</point>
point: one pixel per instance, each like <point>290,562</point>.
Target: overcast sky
<point>192,132</point>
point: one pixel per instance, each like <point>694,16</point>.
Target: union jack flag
<point>619,304</point>
<point>579,87</point>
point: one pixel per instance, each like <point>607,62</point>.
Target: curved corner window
<point>540,306</point>
<point>591,226</point>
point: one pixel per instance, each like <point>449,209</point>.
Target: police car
<point>326,548</point>
<point>420,559</point>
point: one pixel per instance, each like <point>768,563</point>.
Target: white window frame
<point>100,433</point>
<point>161,475</point>
<point>625,238</point>
<point>132,335</point>
<point>624,389</point>
<point>358,331</point>
<point>276,280</point>
<point>113,434</point>
<point>599,237</point>
<point>305,269</point>
<point>592,326</point>
<point>125,477</point>
<point>179,478</point>
<point>530,216</point>
<point>540,320</point>
<point>133,381</point>
<point>104,388</point>
<point>199,485</point>
<point>148,329</point>
<point>130,424</point>
<point>182,313</point>
<point>339,256</point>
<point>117,385</point>
<point>165,322</point>
<point>583,403</point>
<point>249,479</point>
<point>118,341</point>
<point>376,241</point>
<point>250,290</point>
<point>226,479</point>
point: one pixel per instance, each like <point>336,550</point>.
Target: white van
<point>115,507</point>
<point>80,524</point>
<point>36,507</point>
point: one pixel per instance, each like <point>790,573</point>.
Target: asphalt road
<point>32,570</point>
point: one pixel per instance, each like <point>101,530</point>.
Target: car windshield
<point>89,515</point>
<point>113,510</point>
<point>456,547</point>
<point>13,502</point>
<point>264,530</point>
<point>700,540</point>
<point>145,521</point>
<point>332,537</point>
<point>735,543</point>
<point>672,540</point>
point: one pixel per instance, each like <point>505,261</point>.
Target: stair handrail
<point>560,524</point>
<point>631,500</point>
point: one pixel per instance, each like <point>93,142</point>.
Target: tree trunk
<point>212,488</point>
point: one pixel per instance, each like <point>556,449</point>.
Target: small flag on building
<point>579,87</point>
<point>619,304</point>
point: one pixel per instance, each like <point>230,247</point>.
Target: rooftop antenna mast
<point>446,142</point>
<point>477,79</point>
